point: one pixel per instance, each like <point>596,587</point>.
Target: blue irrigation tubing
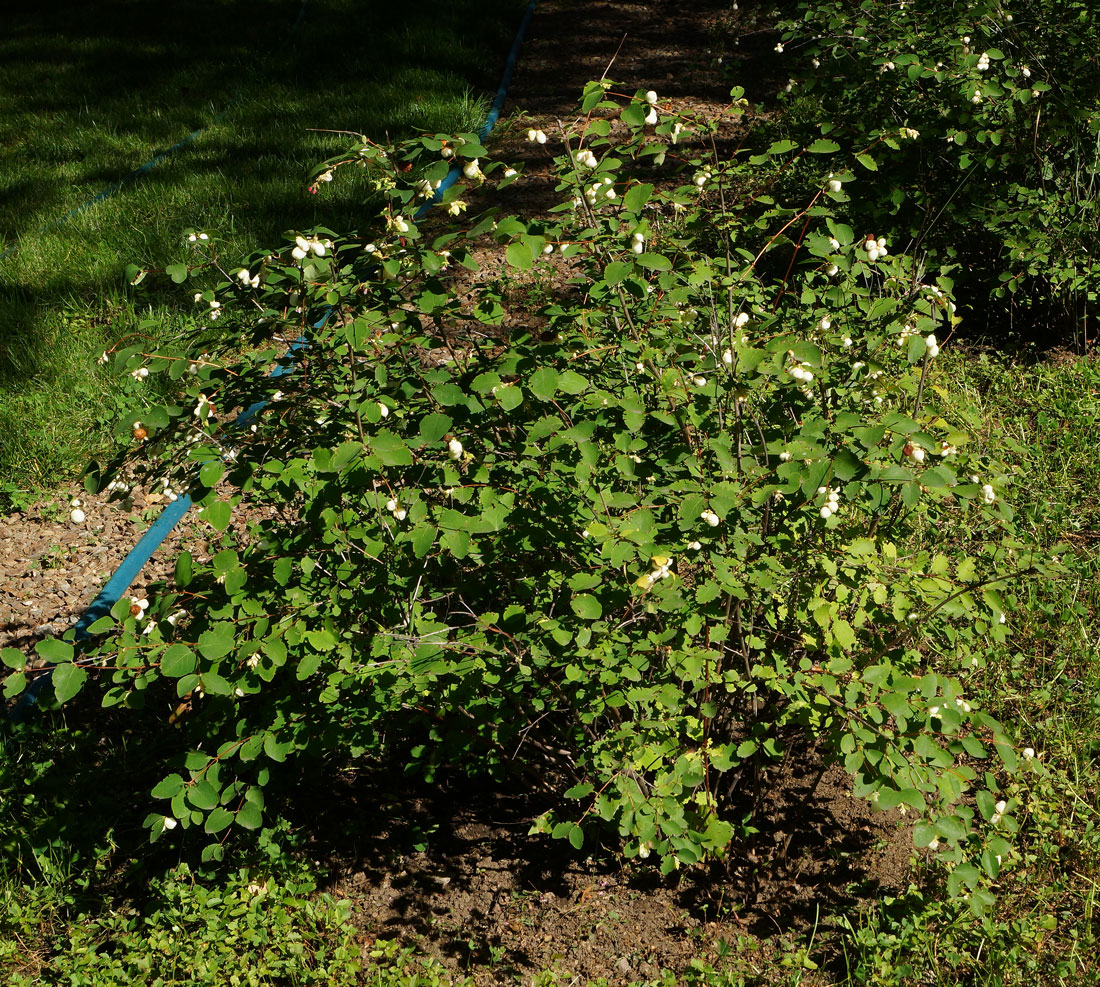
<point>149,165</point>
<point>506,75</point>
<point>149,542</point>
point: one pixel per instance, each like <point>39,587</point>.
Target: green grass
<point>1044,683</point>
<point>90,92</point>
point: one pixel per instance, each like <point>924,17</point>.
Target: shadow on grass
<point>92,91</point>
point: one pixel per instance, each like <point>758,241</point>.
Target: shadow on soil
<point>453,871</point>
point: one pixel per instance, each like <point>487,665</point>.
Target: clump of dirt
<point>454,872</point>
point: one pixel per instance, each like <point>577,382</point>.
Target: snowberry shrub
<point>997,177</point>
<point>697,518</point>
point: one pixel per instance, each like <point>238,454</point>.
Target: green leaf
<point>923,833</point>
<point>422,537</point>
<point>1006,750</point>
<point>213,684</point>
<point>808,352</point>
<point>308,665</point>
<point>963,876</point>
<point>216,643</point>
<point>14,684</point>
<point>967,571</point>
<point>169,787</point>
<point>544,384</point>
<point>177,272</point>
<point>390,449</point>
<point>202,795</point>
<point>217,515</point>
<point>249,816</point>
<point>617,270</point>
<point>449,393</point>
<point>593,96</point>
<point>220,818</point>
<point>274,750</point>
<point>867,161</point>
<point>53,649</point>
<point>636,197</point>
<point>434,426</point>
<point>974,747</point>
<point>211,473</point>
<point>586,606</point>
<point>177,661</point>
<point>654,262</point>
<point>518,255</point>
<point>822,146</point>
<point>225,561</point>
<point>576,837</point>
<point>13,658</point>
<point>570,382</point>
<point>510,397</point>
<point>67,680</point>
<point>184,570</point>
<point>322,640</point>
<point>282,570</point>
<point>344,454</point>
<point>898,705</point>
<point>843,633</point>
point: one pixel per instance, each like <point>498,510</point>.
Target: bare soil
<point>455,874</point>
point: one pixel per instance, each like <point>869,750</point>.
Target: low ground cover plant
<point>245,930</point>
<point>632,556</point>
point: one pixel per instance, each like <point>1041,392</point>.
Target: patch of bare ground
<point>453,872</point>
<point>52,567</point>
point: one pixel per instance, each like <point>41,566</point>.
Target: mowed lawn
<point>90,92</point>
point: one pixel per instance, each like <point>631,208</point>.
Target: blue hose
<point>149,542</point>
<point>506,75</point>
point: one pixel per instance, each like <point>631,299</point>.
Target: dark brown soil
<point>455,874</point>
